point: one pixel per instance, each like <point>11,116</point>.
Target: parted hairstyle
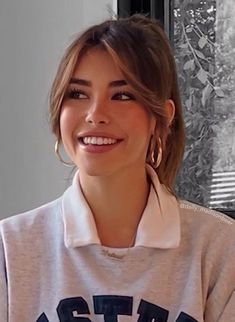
<point>140,48</point>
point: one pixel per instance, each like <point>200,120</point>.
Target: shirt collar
<point>159,226</point>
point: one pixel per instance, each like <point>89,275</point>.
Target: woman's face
<point>104,129</point>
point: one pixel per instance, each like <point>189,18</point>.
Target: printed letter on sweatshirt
<point>112,305</point>
<point>183,317</point>
<point>151,313</point>
<point>69,310</point>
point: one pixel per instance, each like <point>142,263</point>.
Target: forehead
<point>97,62</point>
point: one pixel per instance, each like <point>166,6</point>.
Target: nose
<point>97,113</point>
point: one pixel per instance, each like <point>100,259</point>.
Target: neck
<point>117,203</point>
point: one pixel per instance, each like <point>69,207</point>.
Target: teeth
<point>98,140</point>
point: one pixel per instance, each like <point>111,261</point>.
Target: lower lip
<point>99,148</point>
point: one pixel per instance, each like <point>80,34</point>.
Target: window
<point>202,34</point>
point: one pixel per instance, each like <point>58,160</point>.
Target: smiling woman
<point>103,117</point>
<point>135,64</point>
<point>119,244</point>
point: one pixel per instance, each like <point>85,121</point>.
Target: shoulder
<point>206,227</point>
<point>200,213</point>
<point>31,221</point>
<point>208,239</point>
<point>192,209</point>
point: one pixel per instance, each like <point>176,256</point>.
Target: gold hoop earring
<point>156,163</point>
<point>67,164</point>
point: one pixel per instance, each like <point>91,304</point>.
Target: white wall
<point>33,35</point>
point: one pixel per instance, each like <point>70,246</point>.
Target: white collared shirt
<point>159,226</point>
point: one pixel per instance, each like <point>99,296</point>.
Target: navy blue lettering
<point>112,305</point>
<point>151,313</point>
<point>183,317</point>
<point>69,310</point>
<point>42,318</point>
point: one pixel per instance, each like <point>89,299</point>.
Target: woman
<point>119,245</point>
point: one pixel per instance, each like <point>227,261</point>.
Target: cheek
<point>67,122</point>
<point>141,123</point>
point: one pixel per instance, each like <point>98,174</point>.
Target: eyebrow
<point>79,81</point>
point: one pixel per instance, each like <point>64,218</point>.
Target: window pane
<point>204,44</point>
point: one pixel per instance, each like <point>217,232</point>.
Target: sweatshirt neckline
<point>159,226</point>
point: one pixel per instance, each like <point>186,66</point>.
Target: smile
<point>98,140</point>
<point>98,144</point>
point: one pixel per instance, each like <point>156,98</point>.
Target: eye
<point>123,96</point>
<point>76,94</point>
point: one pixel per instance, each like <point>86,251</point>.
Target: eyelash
<point>131,96</point>
<point>72,93</point>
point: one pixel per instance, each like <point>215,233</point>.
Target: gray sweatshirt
<point>54,268</point>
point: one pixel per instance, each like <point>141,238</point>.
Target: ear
<point>170,109</point>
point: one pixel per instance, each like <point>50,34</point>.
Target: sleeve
<point>3,284</point>
<point>220,305</point>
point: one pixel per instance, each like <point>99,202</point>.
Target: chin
<point>95,170</point>
<point>99,170</point>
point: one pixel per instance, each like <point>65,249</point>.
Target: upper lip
<point>98,134</point>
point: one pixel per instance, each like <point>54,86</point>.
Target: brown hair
<point>141,49</point>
